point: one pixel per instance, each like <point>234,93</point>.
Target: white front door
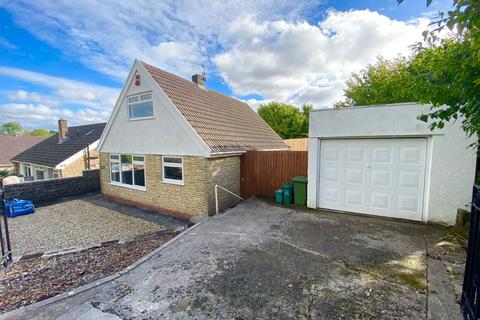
<point>384,177</point>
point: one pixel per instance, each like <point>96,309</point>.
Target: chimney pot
<point>199,80</point>
<point>62,129</point>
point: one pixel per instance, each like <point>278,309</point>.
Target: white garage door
<point>375,176</point>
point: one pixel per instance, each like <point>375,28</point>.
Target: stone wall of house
<point>94,159</point>
<point>46,191</point>
<point>189,199</point>
<point>225,172</point>
<point>75,168</point>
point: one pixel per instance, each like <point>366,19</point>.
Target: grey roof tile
<point>50,152</point>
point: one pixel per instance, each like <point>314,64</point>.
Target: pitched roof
<point>50,152</point>
<point>225,124</point>
<point>10,146</point>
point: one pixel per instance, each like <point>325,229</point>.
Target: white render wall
<point>450,163</point>
<point>167,133</point>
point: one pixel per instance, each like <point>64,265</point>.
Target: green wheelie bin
<point>300,190</point>
<point>287,193</point>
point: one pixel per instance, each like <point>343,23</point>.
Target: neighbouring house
<point>10,146</point>
<point>382,160</point>
<point>297,144</point>
<point>169,141</point>
<point>65,154</point>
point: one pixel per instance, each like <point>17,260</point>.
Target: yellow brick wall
<point>188,198</point>
<point>74,169</point>
<point>225,172</point>
<point>94,159</point>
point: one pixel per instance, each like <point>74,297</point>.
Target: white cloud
<point>256,103</point>
<point>264,47</point>
<point>42,116</point>
<point>26,96</point>
<point>63,90</point>
<point>176,35</point>
<point>78,102</point>
<point>303,63</point>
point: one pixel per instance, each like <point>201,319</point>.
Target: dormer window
<point>140,106</point>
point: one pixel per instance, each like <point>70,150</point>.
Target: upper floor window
<point>140,106</point>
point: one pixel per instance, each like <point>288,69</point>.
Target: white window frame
<point>139,101</point>
<point>119,161</point>
<point>110,160</point>
<point>29,168</point>
<point>38,168</point>
<point>171,164</point>
<point>55,174</point>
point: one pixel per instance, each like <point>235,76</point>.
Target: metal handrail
<point>216,196</point>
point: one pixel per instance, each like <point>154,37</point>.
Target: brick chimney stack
<point>62,129</point>
<point>199,80</point>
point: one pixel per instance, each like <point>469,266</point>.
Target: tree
<point>286,120</point>
<point>448,71</point>
<point>449,84</point>
<point>384,82</point>
<point>444,73</point>
<point>306,108</point>
<point>11,128</point>
<point>41,132</point>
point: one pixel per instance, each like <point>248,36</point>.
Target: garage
<point>379,176</point>
<point>381,160</point>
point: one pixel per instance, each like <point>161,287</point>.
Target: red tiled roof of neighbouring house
<point>10,146</point>
<point>225,124</point>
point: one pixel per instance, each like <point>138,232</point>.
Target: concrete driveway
<point>261,261</point>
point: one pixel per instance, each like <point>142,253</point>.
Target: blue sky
<point>69,58</point>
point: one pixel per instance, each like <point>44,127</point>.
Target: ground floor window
<point>27,171</point>
<point>127,169</point>
<point>39,174</point>
<point>172,169</point>
<point>114,168</point>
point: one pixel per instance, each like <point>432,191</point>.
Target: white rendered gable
<point>167,133</point>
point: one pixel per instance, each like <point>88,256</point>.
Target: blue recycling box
<point>18,207</point>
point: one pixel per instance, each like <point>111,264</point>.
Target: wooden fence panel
<point>263,172</point>
<point>299,144</point>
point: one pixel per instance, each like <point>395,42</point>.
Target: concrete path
<point>261,261</point>
<point>171,223</point>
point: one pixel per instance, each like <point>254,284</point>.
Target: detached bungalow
<point>65,154</point>
<point>169,141</point>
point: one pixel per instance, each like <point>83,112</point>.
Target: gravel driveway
<point>73,223</point>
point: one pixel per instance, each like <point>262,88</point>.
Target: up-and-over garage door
<point>384,177</point>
